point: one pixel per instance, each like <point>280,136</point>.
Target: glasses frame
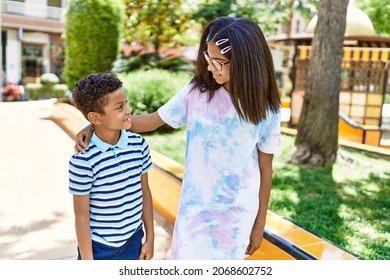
<point>218,65</point>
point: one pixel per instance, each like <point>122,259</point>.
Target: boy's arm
<point>83,229</point>
<point>256,237</point>
<point>147,250</point>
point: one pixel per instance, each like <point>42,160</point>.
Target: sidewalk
<point>36,212</point>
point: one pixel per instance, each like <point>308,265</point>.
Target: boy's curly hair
<point>90,94</point>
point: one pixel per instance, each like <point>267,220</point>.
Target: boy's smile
<point>116,116</point>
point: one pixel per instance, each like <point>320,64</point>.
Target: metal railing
<point>33,10</point>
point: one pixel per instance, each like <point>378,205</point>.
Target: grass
<point>347,203</point>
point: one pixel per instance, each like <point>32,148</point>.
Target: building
<point>31,42</point>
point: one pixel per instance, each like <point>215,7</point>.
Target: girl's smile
<point>222,76</point>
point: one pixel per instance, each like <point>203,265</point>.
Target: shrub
<point>149,61</point>
<point>149,90</point>
<point>92,33</point>
<point>49,79</point>
<point>45,89</point>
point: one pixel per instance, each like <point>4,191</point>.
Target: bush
<point>150,61</point>
<point>49,79</point>
<point>92,33</point>
<point>149,90</point>
<point>41,91</point>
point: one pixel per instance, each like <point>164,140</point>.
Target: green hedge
<point>92,34</point>
<point>39,91</point>
<point>148,90</point>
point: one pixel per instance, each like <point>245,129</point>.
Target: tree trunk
<point>317,135</point>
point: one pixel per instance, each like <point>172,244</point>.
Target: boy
<point>111,196</point>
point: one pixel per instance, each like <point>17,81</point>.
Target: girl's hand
<point>83,138</point>
<point>147,251</point>
<point>255,241</point>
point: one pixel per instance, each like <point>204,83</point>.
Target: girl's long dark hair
<point>253,86</point>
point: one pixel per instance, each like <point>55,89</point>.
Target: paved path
<point>36,214</point>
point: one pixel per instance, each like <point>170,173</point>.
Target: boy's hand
<point>147,251</point>
<point>83,138</point>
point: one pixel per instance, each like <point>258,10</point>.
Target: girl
<point>231,109</point>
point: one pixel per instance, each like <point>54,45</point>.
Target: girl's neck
<point>226,86</point>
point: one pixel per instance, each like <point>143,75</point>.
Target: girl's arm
<point>147,250</point>
<point>83,229</point>
<point>146,123</point>
<point>256,237</point>
<point>141,123</point>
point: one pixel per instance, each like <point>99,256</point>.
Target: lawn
<point>347,203</point>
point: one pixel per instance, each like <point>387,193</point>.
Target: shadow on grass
<point>353,214</point>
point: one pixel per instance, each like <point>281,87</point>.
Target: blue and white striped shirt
<point>111,175</point>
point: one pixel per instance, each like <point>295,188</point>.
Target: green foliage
<point>41,91</point>
<point>93,30</point>
<point>387,97</point>
<point>49,79</point>
<point>152,60</point>
<point>379,13</point>
<point>164,23</point>
<point>307,8</point>
<point>211,9</point>
<point>148,90</point>
<point>266,15</point>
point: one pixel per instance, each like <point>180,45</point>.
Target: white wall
<point>13,54</point>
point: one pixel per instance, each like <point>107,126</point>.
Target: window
<point>54,3</point>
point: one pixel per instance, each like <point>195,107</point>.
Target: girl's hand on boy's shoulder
<point>147,251</point>
<point>82,139</point>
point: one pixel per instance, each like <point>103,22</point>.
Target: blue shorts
<point>128,251</point>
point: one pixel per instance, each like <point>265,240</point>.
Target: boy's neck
<point>108,136</point>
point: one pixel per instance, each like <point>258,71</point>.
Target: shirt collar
<point>103,146</point>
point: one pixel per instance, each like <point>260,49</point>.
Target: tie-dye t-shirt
<point>219,197</point>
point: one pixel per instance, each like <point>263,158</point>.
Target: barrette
<point>225,49</point>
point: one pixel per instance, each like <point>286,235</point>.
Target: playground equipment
<point>364,80</point>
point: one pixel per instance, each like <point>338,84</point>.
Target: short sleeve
<point>80,175</point>
<point>174,112</point>
<point>146,158</point>
<point>270,140</point>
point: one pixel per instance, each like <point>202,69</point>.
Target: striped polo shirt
<point>111,175</point>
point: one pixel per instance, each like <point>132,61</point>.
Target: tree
<point>268,15</point>
<point>379,13</point>
<point>317,137</point>
<point>92,33</point>
<point>165,23</point>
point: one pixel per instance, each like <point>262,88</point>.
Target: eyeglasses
<point>217,64</point>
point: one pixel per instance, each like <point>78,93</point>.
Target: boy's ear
<point>94,118</point>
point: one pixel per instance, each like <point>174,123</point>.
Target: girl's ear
<point>94,118</point>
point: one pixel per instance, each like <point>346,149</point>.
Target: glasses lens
<point>217,65</point>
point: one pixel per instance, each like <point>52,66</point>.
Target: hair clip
<point>226,49</point>
<point>223,41</point>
